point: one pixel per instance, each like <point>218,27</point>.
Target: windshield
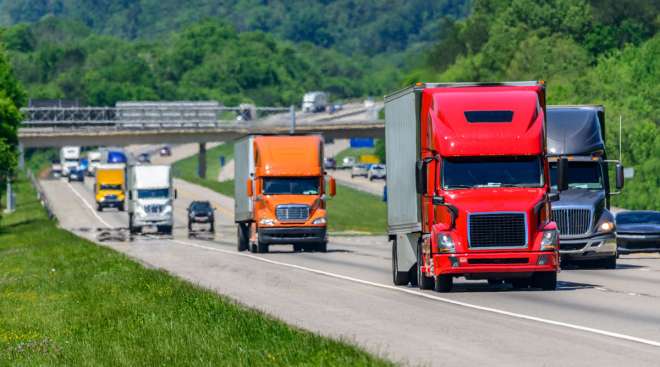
<point>110,187</point>
<point>201,206</point>
<point>291,186</point>
<point>638,218</point>
<point>71,160</point>
<point>581,175</point>
<point>491,172</point>
<point>153,193</point>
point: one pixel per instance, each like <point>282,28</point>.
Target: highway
<point>595,318</point>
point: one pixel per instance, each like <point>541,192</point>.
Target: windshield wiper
<point>459,186</point>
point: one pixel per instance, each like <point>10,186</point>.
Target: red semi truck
<point>469,188</point>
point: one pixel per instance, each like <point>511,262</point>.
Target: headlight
<point>267,222</point>
<point>167,209</point>
<point>321,220</point>
<point>550,240</point>
<point>606,226</point>
<point>445,244</point>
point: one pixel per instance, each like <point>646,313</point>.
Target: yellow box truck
<point>110,186</point>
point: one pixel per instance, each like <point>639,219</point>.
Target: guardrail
<point>41,195</point>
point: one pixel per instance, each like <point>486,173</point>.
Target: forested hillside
<point>349,26</point>
<point>58,58</point>
<point>590,52</point>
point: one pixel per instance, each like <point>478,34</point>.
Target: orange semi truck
<point>280,192</point>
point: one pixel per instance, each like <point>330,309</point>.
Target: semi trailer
<point>586,225</point>
<point>469,185</point>
<point>69,159</point>
<point>280,192</point>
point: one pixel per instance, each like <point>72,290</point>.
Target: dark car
<point>165,151</point>
<point>638,231</point>
<point>200,213</point>
<point>329,163</point>
<point>144,158</point>
<point>76,174</point>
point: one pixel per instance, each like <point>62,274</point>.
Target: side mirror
<point>619,176</point>
<point>176,193</point>
<point>553,196</point>
<point>332,186</point>
<point>420,177</point>
<point>249,189</point>
<point>130,195</point>
<point>562,172</point>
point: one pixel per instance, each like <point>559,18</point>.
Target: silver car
<point>359,170</point>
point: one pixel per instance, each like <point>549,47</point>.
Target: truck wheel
<point>99,208</point>
<point>243,242</point>
<point>398,277</point>
<point>423,281</point>
<point>322,247</point>
<point>608,263</point>
<point>443,283</point>
<point>546,280</point>
<point>121,207</point>
<point>297,248</point>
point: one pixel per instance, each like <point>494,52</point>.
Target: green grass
<point>186,169</point>
<point>66,301</point>
<point>350,211</point>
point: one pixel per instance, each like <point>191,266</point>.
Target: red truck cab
<point>481,196</point>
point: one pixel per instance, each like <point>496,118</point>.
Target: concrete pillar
<point>201,161</point>
<point>21,156</point>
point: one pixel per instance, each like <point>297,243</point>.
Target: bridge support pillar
<point>21,156</point>
<point>201,161</point>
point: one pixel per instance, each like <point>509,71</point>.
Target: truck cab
<point>70,159</point>
<point>150,198</point>
<point>110,186</point>
<point>577,135</point>
<point>469,184</point>
<point>280,192</point>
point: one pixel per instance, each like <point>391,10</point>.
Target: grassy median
<point>66,301</point>
<point>350,211</point>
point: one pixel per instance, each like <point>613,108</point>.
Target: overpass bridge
<point>156,123</point>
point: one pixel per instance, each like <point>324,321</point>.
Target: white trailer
<point>69,159</point>
<point>150,198</point>
<point>315,102</point>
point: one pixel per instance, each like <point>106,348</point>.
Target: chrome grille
<point>153,208</point>
<point>497,230</point>
<point>572,221</point>
<point>292,212</point>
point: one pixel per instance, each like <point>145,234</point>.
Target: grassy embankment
<point>350,211</point>
<point>65,301</point>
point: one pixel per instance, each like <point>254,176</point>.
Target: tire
<point>99,207</point>
<point>297,248</point>
<point>423,282</point>
<point>262,248</point>
<point>165,230</point>
<point>443,283</point>
<point>212,227</point>
<point>131,229</point>
<point>243,240</point>
<point>494,282</point>
<point>322,247</point>
<point>121,207</point>
<point>608,263</point>
<point>371,178</point>
<point>398,277</point>
<point>546,280</point>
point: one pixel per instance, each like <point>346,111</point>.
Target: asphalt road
<point>595,318</point>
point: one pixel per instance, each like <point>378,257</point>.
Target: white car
<point>377,171</point>
<point>359,170</point>
<point>348,162</point>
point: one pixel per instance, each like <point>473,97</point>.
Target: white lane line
<point>88,206</point>
<point>433,297</point>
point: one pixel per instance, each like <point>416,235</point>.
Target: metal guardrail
<point>41,195</point>
<point>145,116</point>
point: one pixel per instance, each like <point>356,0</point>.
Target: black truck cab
<point>582,213</point>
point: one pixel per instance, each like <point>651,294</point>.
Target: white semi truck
<point>315,102</point>
<point>69,159</point>
<point>150,198</point>
<point>94,161</point>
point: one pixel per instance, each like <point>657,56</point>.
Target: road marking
<point>432,297</point>
<point>88,206</point>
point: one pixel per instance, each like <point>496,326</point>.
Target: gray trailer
<point>582,214</point>
<point>402,152</point>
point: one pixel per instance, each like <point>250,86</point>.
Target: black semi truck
<point>576,134</point>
